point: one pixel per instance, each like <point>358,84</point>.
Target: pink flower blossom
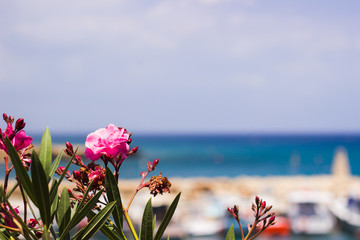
<point>97,176</point>
<point>18,139</point>
<point>110,141</point>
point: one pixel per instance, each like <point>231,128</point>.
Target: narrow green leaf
<point>109,233</point>
<point>20,170</point>
<point>168,215</point>
<point>54,189</point>
<point>80,214</point>
<point>45,154</point>
<point>41,189</point>
<point>64,212</point>
<point>81,204</point>
<point>55,201</point>
<point>113,194</point>
<point>95,223</point>
<point>154,223</point>
<point>146,224</point>
<point>55,165</point>
<point>230,234</point>
<point>3,236</point>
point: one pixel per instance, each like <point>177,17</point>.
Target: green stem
<point>132,229</point>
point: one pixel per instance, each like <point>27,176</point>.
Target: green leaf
<point>230,234</point>
<point>45,154</point>
<point>55,201</point>
<point>3,236</point>
<point>20,170</point>
<point>41,189</point>
<point>54,188</point>
<point>154,223</point>
<point>81,204</point>
<point>146,232</point>
<point>55,165</point>
<point>64,212</point>
<point>107,231</point>
<point>95,223</point>
<point>81,213</point>
<point>113,194</point>
<point>110,234</point>
<point>168,215</point>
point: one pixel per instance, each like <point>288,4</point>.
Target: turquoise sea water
<point>234,155</point>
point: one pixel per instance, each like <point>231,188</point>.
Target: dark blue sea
<point>234,155</point>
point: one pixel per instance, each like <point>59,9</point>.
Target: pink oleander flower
<point>97,176</point>
<point>18,139</point>
<point>110,141</point>
<point>8,221</point>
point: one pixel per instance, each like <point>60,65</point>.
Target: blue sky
<point>190,66</point>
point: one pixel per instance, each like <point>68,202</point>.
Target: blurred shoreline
<point>339,183</point>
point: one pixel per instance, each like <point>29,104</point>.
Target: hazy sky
<point>182,65</point>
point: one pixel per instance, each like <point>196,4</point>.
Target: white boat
<point>309,213</point>
<point>347,212</point>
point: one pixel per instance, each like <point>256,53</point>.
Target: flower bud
<point>20,124</point>
<point>236,210</point>
<point>77,175</point>
<point>69,149</point>
<point>78,159</point>
<point>155,163</point>
<point>134,150</point>
<point>257,200</point>
<point>5,117</point>
<point>271,220</point>
<point>31,223</point>
<point>263,204</point>
<point>268,208</point>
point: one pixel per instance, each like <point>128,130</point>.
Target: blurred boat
<point>309,213</point>
<point>281,228</point>
<point>347,212</point>
<point>204,218</point>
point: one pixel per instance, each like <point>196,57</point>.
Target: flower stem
<point>23,197</point>
<point>132,198</point>
<point>132,229</point>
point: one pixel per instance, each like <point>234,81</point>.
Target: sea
<point>234,155</point>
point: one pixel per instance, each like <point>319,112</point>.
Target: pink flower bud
<point>31,223</point>
<point>77,175</point>
<point>5,117</point>
<point>155,162</point>
<point>20,124</point>
<point>257,200</point>
<point>263,204</point>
